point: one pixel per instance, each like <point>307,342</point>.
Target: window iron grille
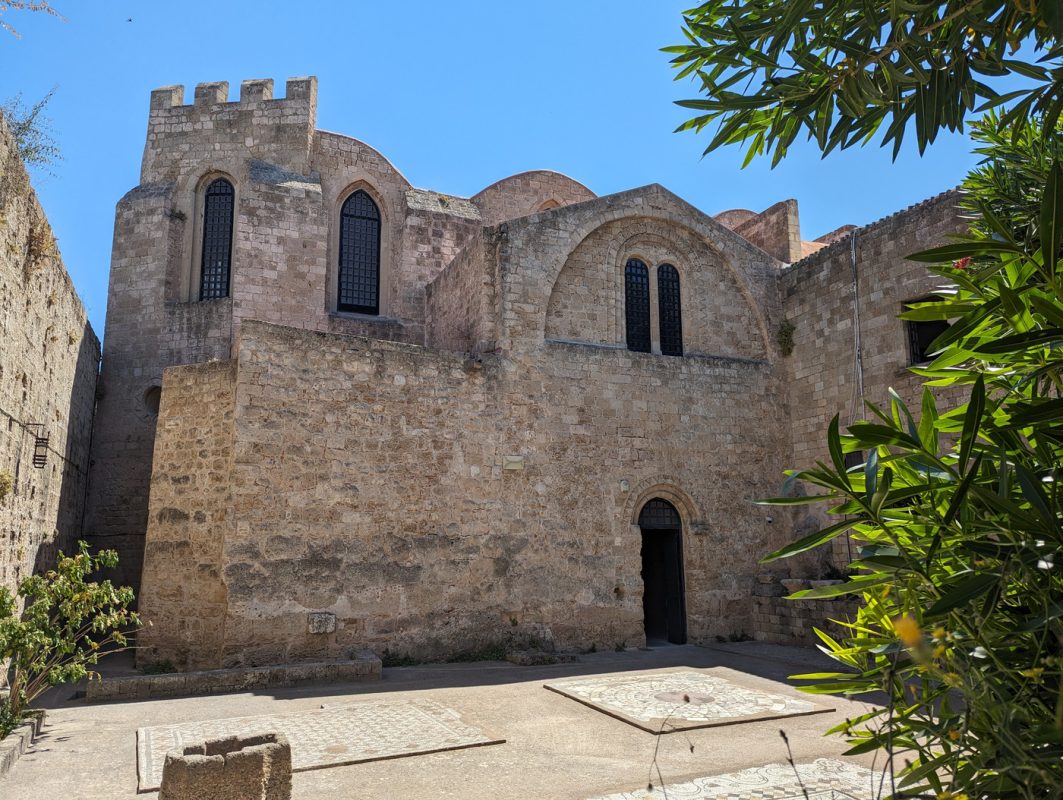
<point>218,206</point>
<point>659,515</point>
<point>669,310</point>
<point>637,305</point>
<point>359,257</point>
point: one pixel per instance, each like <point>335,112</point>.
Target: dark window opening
<point>359,267</point>
<point>669,309</point>
<point>854,459</point>
<point>921,335</point>
<point>218,204</point>
<point>637,305</point>
<point>152,399</point>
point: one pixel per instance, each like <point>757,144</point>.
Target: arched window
<point>669,311</point>
<point>359,272</point>
<point>218,203</point>
<point>637,305</point>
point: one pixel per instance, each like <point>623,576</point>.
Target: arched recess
<point>667,488</point>
<point>587,295</point>
<point>383,245</point>
<point>670,210</point>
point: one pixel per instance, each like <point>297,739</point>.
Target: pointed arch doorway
<point>664,596</point>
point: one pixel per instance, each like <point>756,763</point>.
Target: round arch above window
<point>358,284</point>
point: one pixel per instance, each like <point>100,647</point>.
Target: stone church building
<point>337,411</point>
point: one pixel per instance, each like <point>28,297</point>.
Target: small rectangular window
<point>921,335</point>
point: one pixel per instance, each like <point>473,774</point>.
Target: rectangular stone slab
<point>823,779</point>
<point>367,731</point>
<point>680,700</point>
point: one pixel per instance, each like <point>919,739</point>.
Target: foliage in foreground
<point>958,516</point>
<point>24,5</point>
<point>844,71</point>
<point>67,624</point>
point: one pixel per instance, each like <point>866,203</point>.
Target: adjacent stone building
<point>338,411</point>
<point>49,360</point>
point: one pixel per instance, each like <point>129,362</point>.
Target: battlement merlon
<point>214,134</point>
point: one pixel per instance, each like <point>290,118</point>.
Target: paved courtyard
<point>562,746</point>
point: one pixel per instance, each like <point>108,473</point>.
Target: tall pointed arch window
<point>359,269</point>
<point>219,201</point>
<point>669,309</point>
<point>637,305</point>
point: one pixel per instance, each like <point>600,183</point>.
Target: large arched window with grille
<point>359,270</point>
<point>669,311</point>
<point>637,305</point>
<point>219,201</point>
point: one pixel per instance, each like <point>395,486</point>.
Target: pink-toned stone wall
<point>528,193</point>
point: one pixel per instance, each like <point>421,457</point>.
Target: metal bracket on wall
<point>40,444</point>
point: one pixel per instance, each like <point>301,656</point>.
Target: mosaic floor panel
<point>369,731</point>
<point>664,702</point>
<point>824,779</point>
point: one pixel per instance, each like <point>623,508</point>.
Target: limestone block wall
<point>534,252</point>
<point>49,357</point>
<point>528,193</point>
<point>818,300</point>
<point>290,183</point>
<point>776,231</point>
<point>461,301</point>
<point>587,300</point>
<point>279,131</point>
<point>146,333</point>
<point>190,516</point>
<point>782,621</point>
<point>369,479</point>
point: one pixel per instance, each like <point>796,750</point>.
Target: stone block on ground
<point>233,768</point>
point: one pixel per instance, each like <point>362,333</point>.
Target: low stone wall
<point>781,621</point>
<point>219,681</point>
<point>16,743</point>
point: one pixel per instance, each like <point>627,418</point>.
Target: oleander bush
<point>958,513</point>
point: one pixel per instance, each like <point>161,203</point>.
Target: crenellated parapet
<point>213,133</point>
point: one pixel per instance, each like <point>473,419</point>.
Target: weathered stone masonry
<point>49,358</point>
<point>468,466</point>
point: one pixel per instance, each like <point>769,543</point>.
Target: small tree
<point>67,624</point>
<point>32,131</point>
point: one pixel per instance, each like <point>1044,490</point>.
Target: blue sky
<point>456,94</point>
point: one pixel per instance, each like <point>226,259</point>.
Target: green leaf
<point>963,592</point>
<point>852,586</point>
<point>971,421</point>
<point>811,541</point>
<point>834,444</point>
<point>953,252</point>
<point>1052,217</point>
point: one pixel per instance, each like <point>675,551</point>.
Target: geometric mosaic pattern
<point>824,779</point>
<point>366,731</point>
<point>664,702</point>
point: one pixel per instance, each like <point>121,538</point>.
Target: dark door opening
<point>663,603</point>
